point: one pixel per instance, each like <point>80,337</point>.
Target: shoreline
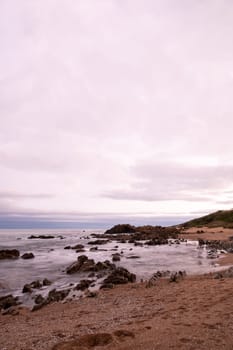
<point>193,313</point>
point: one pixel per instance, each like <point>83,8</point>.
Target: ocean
<point>51,259</point>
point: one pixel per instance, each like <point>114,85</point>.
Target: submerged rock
<point>83,284</point>
<point>116,257</point>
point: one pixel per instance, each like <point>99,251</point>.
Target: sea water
<point>51,259</point>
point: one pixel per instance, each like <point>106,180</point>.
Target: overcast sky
<point>115,109</point>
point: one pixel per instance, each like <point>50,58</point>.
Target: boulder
<point>8,301</point>
<point>116,257</point>
<point>28,256</point>
<point>120,276</point>
<point>9,254</point>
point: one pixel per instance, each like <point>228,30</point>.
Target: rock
<point>157,241</point>
<point>46,282</point>
<point>123,228</point>
<point>41,237</point>
<point>55,295</point>
<point>155,277</point>
<point>39,299</point>
<point>88,265</point>
<point>8,301</point>
<point>27,288</point>
<point>78,247</point>
<point>120,276</point>
<point>33,285</point>
<point>176,276</point>
<point>83,284</point>
<point>9,254</point>
<point>133,257</point>
<point>98,242</point>
<point>28,256</point>
<point>10,311</point>
<point>67,247</point>
<point>93,249</point>
<point>116,257</point>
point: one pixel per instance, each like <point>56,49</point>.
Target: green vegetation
<point>222,218</point>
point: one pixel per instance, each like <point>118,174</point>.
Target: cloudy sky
<point>115,110</point>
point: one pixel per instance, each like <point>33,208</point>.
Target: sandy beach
<point>194,313</point>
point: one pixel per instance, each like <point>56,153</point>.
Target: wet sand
<point>195,313</point>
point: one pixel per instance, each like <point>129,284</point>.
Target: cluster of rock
<point>224,274</point>
<point>153,235</point>
<point>83,264</point>
<point>78,248</point>
<point>28,288</point>
<point>173,277</point>
<point>14,254</point>
<point>217,244</point>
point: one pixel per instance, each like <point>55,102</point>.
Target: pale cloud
<point>116,106</point>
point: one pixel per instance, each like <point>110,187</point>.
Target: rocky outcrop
<point>217,244</point>
<point>28,256</point>
<point>9,254</point>
<point>119,276</point>
<point>83,264</point>
<point>123,228</point>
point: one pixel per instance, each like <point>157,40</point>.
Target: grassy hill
<point>222,218</point>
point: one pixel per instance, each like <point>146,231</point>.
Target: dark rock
<point>13,311</point>
<point>46,282</point>
<point>27,288</point>
<point>36,284</point>
<point>41,237</point>
<point>93,249</point>
<point>39,299</point>
<point>156,241</point>
<point>67,247</point>
<point>107,286</point>
<point>28,256</point>
<point>116,257</point>
<point>9,254</point>
<point>8,301</point>
<point>55,295</point>
<point>99,242</point>
<point>83,284</point>
<point>88,265</point>
<point>120,276</point>
<point>78,247</point>
<point>133,257</point>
